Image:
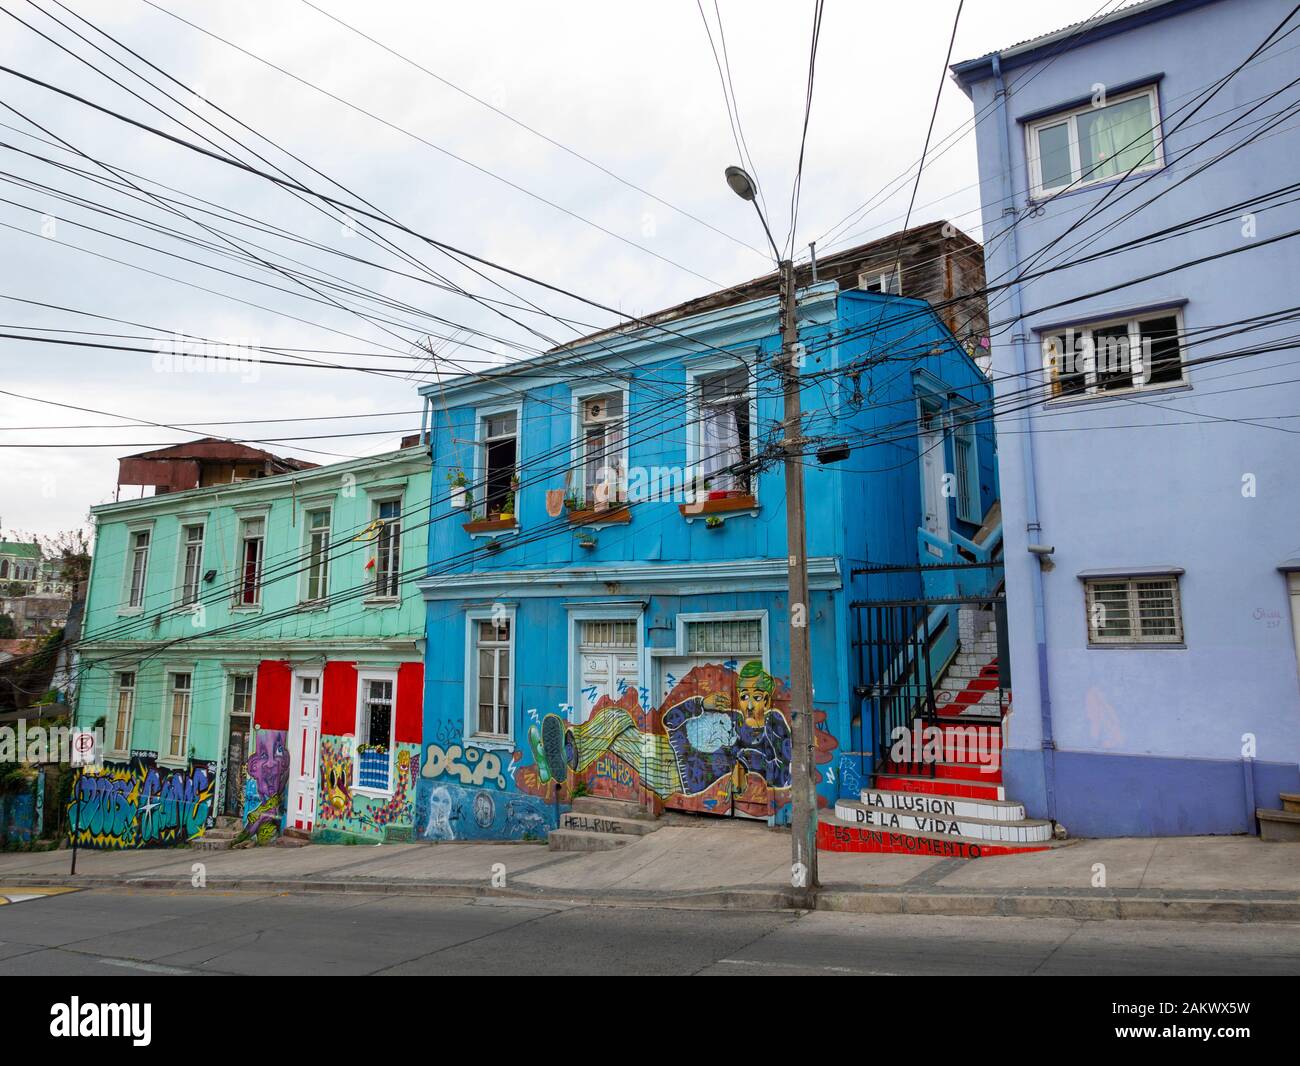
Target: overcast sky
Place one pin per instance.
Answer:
(632, 87)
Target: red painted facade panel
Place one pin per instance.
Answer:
(274, 683)
(410, 703)
(339, 699)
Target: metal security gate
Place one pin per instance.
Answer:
(911, 662)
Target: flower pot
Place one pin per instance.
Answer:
(459, 497)
(719, 494)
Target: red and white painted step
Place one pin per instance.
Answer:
(955, 807)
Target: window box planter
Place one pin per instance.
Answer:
(490, 525)
(586, 516)
(731, 504)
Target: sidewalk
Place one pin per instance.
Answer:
(743, 866)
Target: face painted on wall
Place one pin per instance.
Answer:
(754, 690)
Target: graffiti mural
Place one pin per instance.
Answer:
(448, 811)
(721, 744)
(140, 804)
(265, 783)
(468, 764)
(345, 814)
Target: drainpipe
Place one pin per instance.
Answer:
(1032, 525)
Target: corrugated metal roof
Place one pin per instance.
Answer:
(1064, 33)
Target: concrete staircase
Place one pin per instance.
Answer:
(949, 799)
(969, 685)
(220, 836)
(1283, 824)
(597, 824)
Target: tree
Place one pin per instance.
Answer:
(8, 630)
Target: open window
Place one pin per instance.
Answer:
(388, 549)
(601, 442)
(252, 544)
(724, 438)
(499, 435)
(1122, 355)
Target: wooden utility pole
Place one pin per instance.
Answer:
(803, 796)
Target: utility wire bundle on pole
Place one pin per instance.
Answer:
(803, 795)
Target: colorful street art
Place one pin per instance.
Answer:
(452, 812)
(343, 814)
(265, 785)
(721, 746)
(139, 804)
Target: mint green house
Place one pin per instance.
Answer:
(253, 652)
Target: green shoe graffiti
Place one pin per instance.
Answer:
(554, 748)
(539, 753)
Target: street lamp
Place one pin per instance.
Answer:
(803, 797)
(745, 187)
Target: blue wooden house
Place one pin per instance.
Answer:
(607, 610)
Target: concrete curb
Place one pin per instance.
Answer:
(1011, 903)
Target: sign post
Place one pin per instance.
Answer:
(85, 752)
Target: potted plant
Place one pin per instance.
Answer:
(713, 522)
(572, 503)
(508, 508)
(714, 494)
(586, 539)
(459, 484)
(492, 546)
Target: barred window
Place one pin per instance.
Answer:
(611, 634)
(1140, 610)
(740, 637)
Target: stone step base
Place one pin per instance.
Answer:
(582, 840)
(611, 808)
(208, 843)
(1291, 802)
(1024, 831)
(835, 834)
(604, 823)
(1278, 825)
(941, 805)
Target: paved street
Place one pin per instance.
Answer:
(122, 931)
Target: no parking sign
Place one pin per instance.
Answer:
(85, 747)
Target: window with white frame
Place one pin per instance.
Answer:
(1122, 355)
(600, 445)
(139, 567)
(729, 637)
(252, 548)
(318, 554)
(1136, 610)
(375, 731)
(124, 720)
(499, 435)
(966, 461)
(191, 561)
(493, 660)
(725, 433)
(1096, 142)
(885, 280)
(179, 691)
(388, 549)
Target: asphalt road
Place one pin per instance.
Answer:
(118, 932)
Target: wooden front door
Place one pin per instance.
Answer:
(304, 751)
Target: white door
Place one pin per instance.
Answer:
(304, 750)
(933, 469)
(608, 660)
